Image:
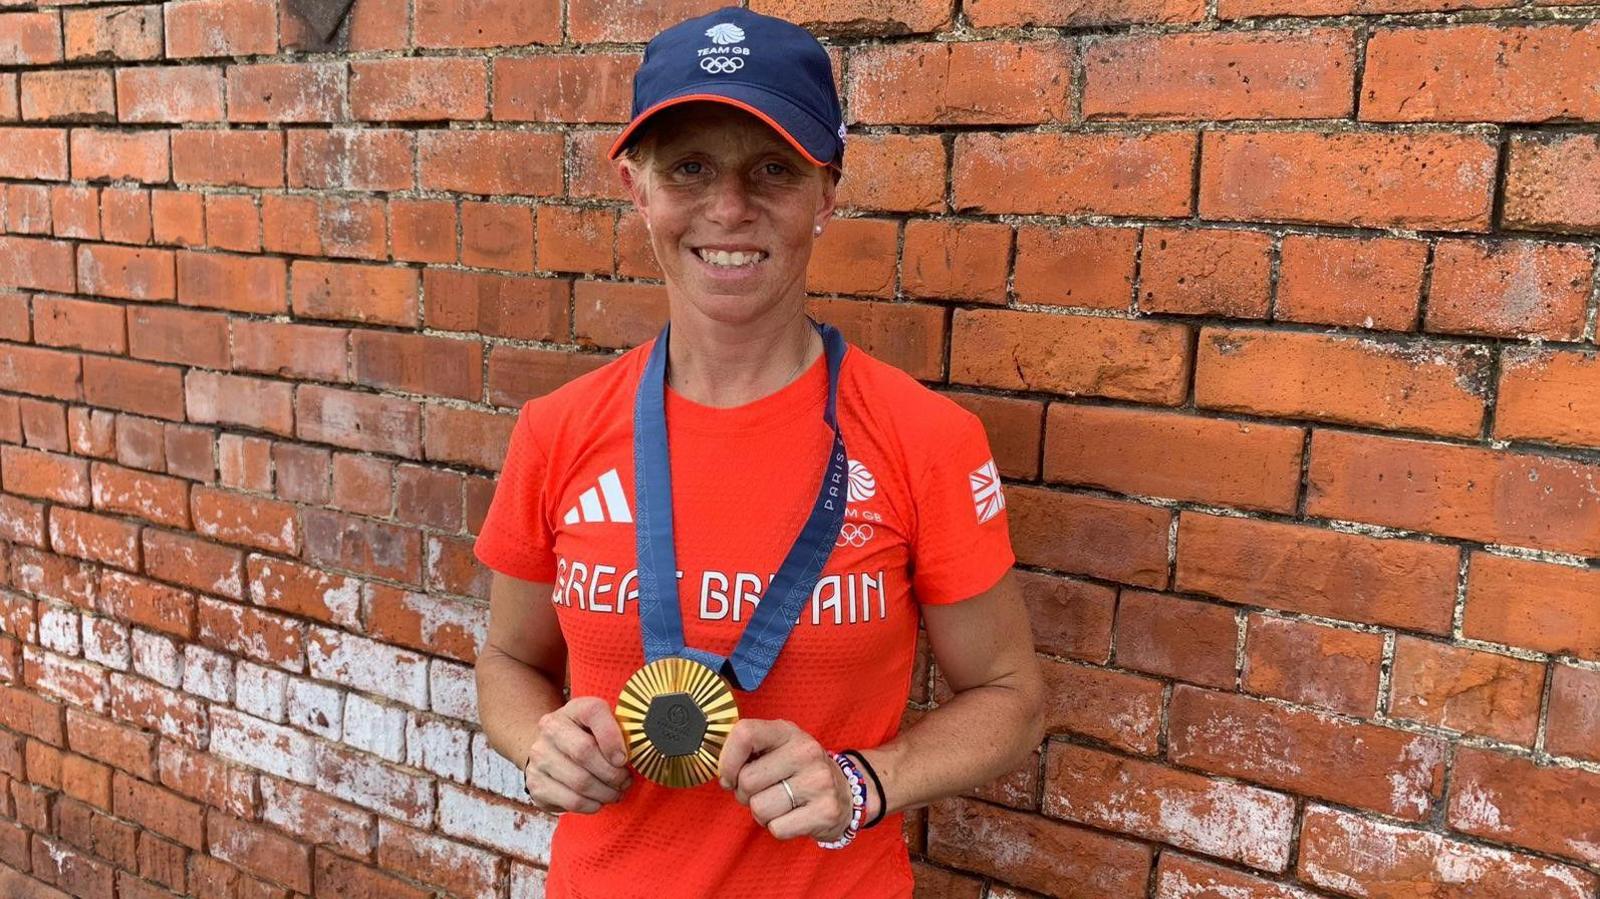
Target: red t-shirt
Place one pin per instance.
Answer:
(925, 523)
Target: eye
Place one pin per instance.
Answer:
(776, 169)
(690, 168)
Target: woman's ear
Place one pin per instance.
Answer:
(830, 198)
(633, 178)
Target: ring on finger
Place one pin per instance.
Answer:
(792, 803)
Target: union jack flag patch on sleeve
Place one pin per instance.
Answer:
(986, 493)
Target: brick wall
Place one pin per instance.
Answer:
(1281, 314)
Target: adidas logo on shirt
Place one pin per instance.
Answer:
(605, 502)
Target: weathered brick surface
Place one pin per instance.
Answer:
(1279, 316)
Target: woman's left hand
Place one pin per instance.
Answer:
(760, 754)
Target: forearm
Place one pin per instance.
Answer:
(512, 697)
(979, 735)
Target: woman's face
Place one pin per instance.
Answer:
(731, 207)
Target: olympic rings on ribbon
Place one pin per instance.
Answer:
(852, 534)
(721, 65)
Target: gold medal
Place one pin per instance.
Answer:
(675, 714)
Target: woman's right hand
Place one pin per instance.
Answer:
(577, 763)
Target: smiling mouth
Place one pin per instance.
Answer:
(726, 259)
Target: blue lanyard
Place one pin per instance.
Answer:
(660, 619)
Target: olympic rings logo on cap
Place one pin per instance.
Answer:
(721, 65)
(851, 534)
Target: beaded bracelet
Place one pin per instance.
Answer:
(858, 801)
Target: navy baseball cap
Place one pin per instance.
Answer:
(770, 68)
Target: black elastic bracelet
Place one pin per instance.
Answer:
(883, 804)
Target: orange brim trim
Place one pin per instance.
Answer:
(616, 146)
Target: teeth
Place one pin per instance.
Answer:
(722, 257)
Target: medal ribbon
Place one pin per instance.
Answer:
(660, 619)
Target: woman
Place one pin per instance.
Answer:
(787, 464)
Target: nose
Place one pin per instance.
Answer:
(729, 204)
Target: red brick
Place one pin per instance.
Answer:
(166, 334)
(228, 158)
(203, 776)
(1221, 75)
(222, 28)
(486, 23)
(195, 563)
(74, 95)
(861, 17)
(363, 421)
(29, 210)
(1313, 664)
(340, 878)
(1509, 289)
(1362, 856)
(1512, 800)
(1179, 877)
(1547, 180)
(95, 538)
(1087, 267)
(1075, 174)
(1238, 9)
(176, 94)
(1014, 426)
(1162, 454)
(1548, 395)
(1466, 690)
(1573, 728)
(1149, 800)
(79, 875)
(255, 284)
(1007, 13)
(30, 38)
(1120, 541)
(288, 92)
(419, 89)
(1311, 753)
(363, 293)
(126, 272)
(117, 746)
(584, 88)
(299, 351)
(372, 26)
(43, 475)
(1414, 385)
(1070, 618)
(491, 162)
(1533, 605)
(599, 21)
(1206, 272)
(517, 374)
(636, 258)
(945, 83)
(497, 235)
(893, 172)
(352, 159)
(1410, 584)
(1350, 282)
(177, 217)
(121, 33)
(423, 230)
(98, 834)
(260, 851)
(149, 706)
(233, 222)
(352, 227)
(1349, 179)
(247, 520)
(36, 154)
(1120, 359)
(316, 818)
(80, 324)
(125, 215)
(33, 715)
(1480, 72)
(165, 813)
(575, 239)
(416, 363)
(617, 315)
(956, 260)
(466, 437)
(127, 491)
(38, 264)
(8, 98)
(263, 636)
(498, 305)
(1063, 860)
(301, 590)
(855, 256)
(75, 212)
(1177, 638)
(370, 547)
(1456, 491)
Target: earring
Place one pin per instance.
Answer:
(817, 230)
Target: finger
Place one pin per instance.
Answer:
(807, 820)
(751, 736)
(597, 718)
(577, 744)
(772, 803)
(768, 769)
(575, 778)
(553, 797)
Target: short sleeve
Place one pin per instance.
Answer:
(516, 538)
(962, 541)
